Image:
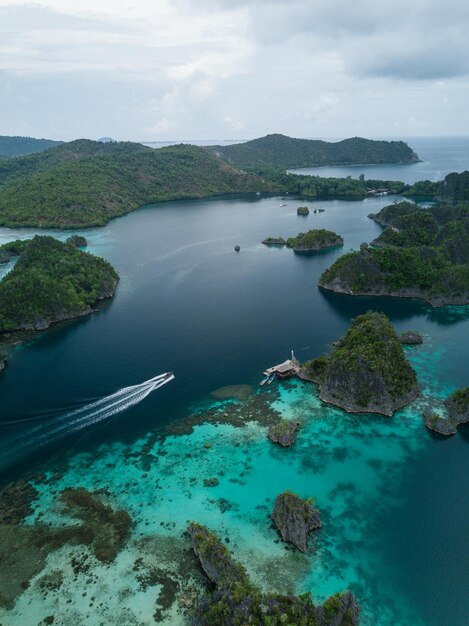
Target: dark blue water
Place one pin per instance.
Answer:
(188, 303)
(439, 156)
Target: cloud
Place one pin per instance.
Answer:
(177, 69)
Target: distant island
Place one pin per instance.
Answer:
(314, 240)
(422, 253)
(20, 146)
(282, 152)
(51, 282)
(367, 371)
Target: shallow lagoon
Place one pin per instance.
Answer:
(392, 495)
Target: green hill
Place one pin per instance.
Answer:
(52, 281)
(86, 183)
(19, 146)
(280, 151)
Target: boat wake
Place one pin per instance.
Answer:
(91, 414)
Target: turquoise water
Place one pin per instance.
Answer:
(392, 495)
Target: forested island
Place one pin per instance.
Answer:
(422, 253)
(237, 600)
(51, 282)
(314, 240)
(282, 152)
(367, 371)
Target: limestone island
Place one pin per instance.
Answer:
(295, 518)
(283, 432)
(236, 600)
(367, 371)
(411, 338)
(457, 407)
(302, 210)
(52, 281)
(314, 240)
(274, 241)
(422, 253)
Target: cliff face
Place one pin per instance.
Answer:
(367, 371)
(424, 273)
(295, 518)
(237, 600)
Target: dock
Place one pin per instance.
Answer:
(288, 368)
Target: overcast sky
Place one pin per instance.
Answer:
(220, 69)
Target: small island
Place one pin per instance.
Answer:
(411, 338)
(314, 240)
(52, 281)
(367, 371)
(283, 432)
(274, 241)
(236, 600)
(457, 409)
(295, 518)
(302, 210)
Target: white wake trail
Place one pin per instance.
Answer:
(85, 416)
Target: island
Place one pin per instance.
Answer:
(411, 338)
(302, 210)
(283, 432)
(295, 518)
(274, 241)
(52, 281)
(282, 152)
(457, 409)
(422, 253)
(237, 600)
(314, 240)
(367, 371)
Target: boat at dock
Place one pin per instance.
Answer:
(271, 379)
(264, 380)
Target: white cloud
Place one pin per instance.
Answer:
(181, 69)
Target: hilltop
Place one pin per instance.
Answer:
(280, 151)
(86, 183)
(20, 146)
(367, 371)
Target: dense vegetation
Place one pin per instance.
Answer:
(283, 152)
(454, 188)
(19, 146)
(52, 281)
(238, 601)
(315, 240)
(87, 183)
(424, 253)
(317, 187)
(367, 370)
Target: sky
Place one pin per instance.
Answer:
(157, 70)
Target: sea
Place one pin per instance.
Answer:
(78, 408)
